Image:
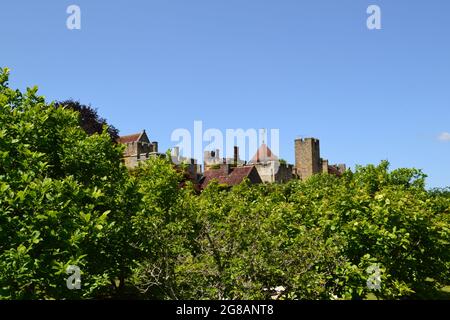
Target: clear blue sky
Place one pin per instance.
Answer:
(309, 68)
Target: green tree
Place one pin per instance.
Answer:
(67, 199)
(89, 119)
(166, 228)
(64, 200)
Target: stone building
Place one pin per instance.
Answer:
(308, 161)
(267, 167)
(138, 148)
(264, 167)
(213, 159)
(270, 168)
(193, 168)
(229, 172)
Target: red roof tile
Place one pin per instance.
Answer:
(129, 138)
(235, 177)
(238, 175)
(263, 154)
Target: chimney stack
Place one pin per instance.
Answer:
(155, 146)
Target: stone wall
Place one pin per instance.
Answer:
(274, 171)
(307, 157)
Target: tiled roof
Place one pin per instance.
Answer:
(263, 154)
(236, 176)
(130, 138)
(210, 175)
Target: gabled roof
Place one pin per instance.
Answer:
(235, 177)
(264, 154)
(238, 175)
(135, 137)
(129, 138)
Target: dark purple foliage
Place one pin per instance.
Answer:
(90, 121)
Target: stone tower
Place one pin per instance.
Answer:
(307, 157)
(138, 148)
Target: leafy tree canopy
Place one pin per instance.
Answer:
(67, 199)
(90, 121)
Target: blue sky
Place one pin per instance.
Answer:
(309, 68)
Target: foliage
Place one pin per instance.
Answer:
(64, 200)
(90, 121)
(67, 199)
(316, 239)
